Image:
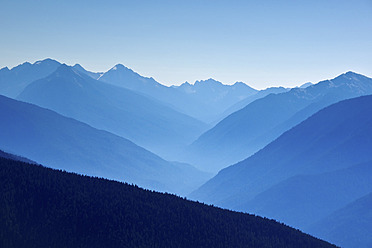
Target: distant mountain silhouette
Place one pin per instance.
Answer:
(305, 85)
(349, 226)
(315, 168)
(64, 143)
(210, 98)
(246, 131)
(13, 81)
(41, 207)
(124, 77)
(260, 94)
(94, 75)
(145, 121)
(204, 100)
(335, 138)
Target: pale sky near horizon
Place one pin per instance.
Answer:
(262, 43)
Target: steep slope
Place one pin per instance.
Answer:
(147, 122)
(335, 138)
(63, 143)
(13, 81)
(246, 131)
(122, 76)
(40, 207)
(349, 226)
(204, 100)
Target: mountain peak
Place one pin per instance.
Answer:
(78, 66)
(305, 85)
(209, 81)
(46, 61)
(119, 67)
(66, 71)
(4, 69)
(350, 77)
(243, 85)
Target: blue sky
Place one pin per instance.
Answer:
(262, 43)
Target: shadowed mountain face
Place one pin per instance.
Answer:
(300, 200)
(40, 207)
(204, 100)
(147, 122)
(307, 173)
(246, 131)
(63, 143)
(349, 226)
(13, 82)
(335, 138)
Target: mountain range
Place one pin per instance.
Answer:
(306, 174)
(145, 121)
(248, 130)
(14, 81)
(204, 100)
(300, 156)
(64, 143)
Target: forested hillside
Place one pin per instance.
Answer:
(41, 207)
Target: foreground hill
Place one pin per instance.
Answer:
(41, 207)
(64, 143)
(244, 132)
(147, 122)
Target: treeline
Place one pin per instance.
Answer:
(42, 207)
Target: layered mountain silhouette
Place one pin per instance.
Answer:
(41, 207)
(64, 143)
(204, 100)
(13, 82)
(303, 199)
(349, 226)
(145, 121)
(244, 132)
(209, 98)
(310, 171)
(241, 104)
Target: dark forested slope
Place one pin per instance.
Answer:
(41, 207)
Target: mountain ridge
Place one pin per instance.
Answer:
(242, 133)
(60, 142)
(147, 122)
